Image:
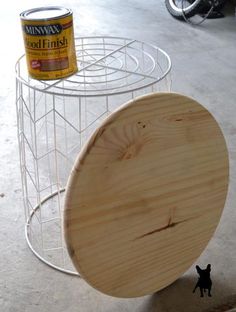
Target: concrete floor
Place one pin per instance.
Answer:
(204, 67)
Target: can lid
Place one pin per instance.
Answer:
(45, 13)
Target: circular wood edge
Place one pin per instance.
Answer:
(84, 151)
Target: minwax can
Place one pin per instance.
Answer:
(49, 42)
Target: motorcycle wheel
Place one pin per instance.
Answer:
(189, 9)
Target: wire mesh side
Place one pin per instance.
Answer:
(53, 127)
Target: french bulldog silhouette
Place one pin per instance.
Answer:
(204, 281)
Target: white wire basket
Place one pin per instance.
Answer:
(55, 119)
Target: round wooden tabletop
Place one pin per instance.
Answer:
(146, 195)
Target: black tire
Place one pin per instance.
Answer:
(194, 8)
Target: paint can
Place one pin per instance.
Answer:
(49, 42)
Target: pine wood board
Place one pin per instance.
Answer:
(146, 195)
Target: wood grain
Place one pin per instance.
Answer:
(146, 195)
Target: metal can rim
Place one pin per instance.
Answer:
(24, 14)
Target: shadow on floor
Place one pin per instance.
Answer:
(178, 297)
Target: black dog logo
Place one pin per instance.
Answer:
(204, 281)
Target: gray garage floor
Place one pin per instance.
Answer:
(204, 67)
